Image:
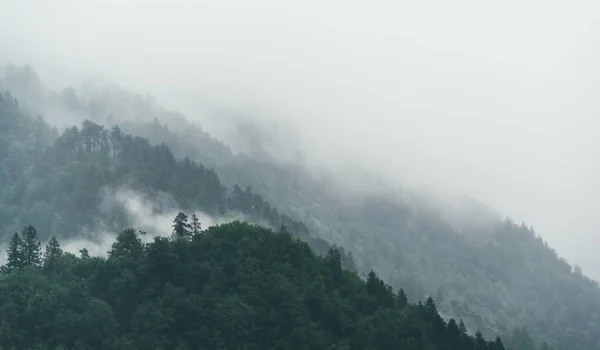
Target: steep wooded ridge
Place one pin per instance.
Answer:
(499, 277)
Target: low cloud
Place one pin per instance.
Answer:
(151, 213)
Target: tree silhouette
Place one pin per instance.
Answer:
(53, 252)
(181, 227)
(31, 247)
(195, 226)
(15, 256)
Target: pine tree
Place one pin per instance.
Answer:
(196, 226)
(401, 299)
(372, 282)
(127, 245)
(462, 328)
(480, 343)
(181, 228)
(31, 247)
(430, 306)
(15, 256)
(53, 252)
(116, 138)
(499, 344)
(452, 335)
(333, 260)
(84, 253)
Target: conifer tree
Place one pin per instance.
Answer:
(480, 342)
(53, 252)
(372, 282)
(15, 256)
(334, 261)
(84, 253)
(499, 344)
(196, 226)
(401, 299)
(181, 227)
(31, 247)
(462, 328)
(430, 307)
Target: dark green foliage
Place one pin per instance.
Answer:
(196, 226)
(401, 299)
(181, 227)
(31, 248)
(53, 253)
(14, 254)
(237, 286)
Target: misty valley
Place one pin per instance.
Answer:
(126, 226)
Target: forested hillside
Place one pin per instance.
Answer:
(55, 181)
(235, 286)
(499, 277)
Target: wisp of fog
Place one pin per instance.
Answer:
(154, 215)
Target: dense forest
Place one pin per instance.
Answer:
(234, 286)
(499, 277)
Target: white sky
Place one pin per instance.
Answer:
(498, 100)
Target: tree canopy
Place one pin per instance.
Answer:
(235, 286)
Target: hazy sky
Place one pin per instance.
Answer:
(498, 100)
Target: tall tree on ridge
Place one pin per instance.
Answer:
(31, 247)
(181, 227)
(15, 257)
(53, 252)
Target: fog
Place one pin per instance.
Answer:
(495, 100)
(152, 214)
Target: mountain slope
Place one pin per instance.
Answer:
(56, 182)
(500, 277)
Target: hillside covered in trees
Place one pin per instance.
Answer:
(55, 181)
(234, 286)
(499, 277)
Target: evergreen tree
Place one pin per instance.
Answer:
(372, 282)
(452, 335)
(196, 226)
(462, 328)
(84, 253)
(53, 252)
(181, 227)
(401, 299)
(333, 260)
(127, 245)
(116, 138)
(430, 306)
(480, 343)
(31, 247)
(15, 255)
(499, 344)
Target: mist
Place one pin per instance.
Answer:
(497, 101)
(152, 214)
